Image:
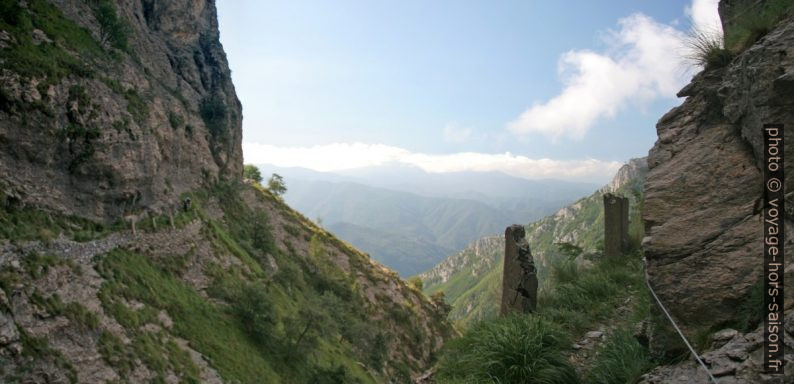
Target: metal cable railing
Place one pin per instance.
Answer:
(692, 350)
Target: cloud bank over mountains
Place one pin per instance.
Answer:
(343, 156)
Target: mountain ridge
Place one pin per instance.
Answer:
(474, 292)
(443, 221)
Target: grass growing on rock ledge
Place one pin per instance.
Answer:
(753, 22)
(25, 223)
(707, 49)
(52, 60)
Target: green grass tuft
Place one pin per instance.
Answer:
(516, 349)
(622, 360)
(707, 49)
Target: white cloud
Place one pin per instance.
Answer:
(454, 134)
(642, 64)
(704, 16)
(341, 156)
(324, 158)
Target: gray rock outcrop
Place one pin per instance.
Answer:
(634, 170)
(736, 359)
(702, 208)
(135, 126)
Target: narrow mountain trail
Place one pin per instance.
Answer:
(585, 349)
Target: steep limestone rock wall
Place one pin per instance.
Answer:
(633, 170)
(704, 187)
(114, 107)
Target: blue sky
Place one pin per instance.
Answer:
(538, 89)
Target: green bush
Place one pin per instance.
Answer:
(114, 352)
(576, 299)
(415, 282)
(276, 185)
(213, 111)
(136, 106)
(113, 30)
(335, 375)
(28, 223)
(250, 171)
(256, 313)
(516, 349)
(175, 120)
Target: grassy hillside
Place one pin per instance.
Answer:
(240, 289)
(474, 295)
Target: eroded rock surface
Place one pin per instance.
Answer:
(737, 358)
(98, 130)
(704, 187)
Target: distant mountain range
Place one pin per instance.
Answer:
(409, 219)
(471, 278)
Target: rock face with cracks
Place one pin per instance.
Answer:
(114, 107)
(703, 194)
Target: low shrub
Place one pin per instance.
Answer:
(214, 112)
(113, 29)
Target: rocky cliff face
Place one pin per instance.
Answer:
(704, 187)
(477, 258)
(633, 171)
(113, 107)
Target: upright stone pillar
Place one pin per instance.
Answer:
(616, 225)
(519, 279)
